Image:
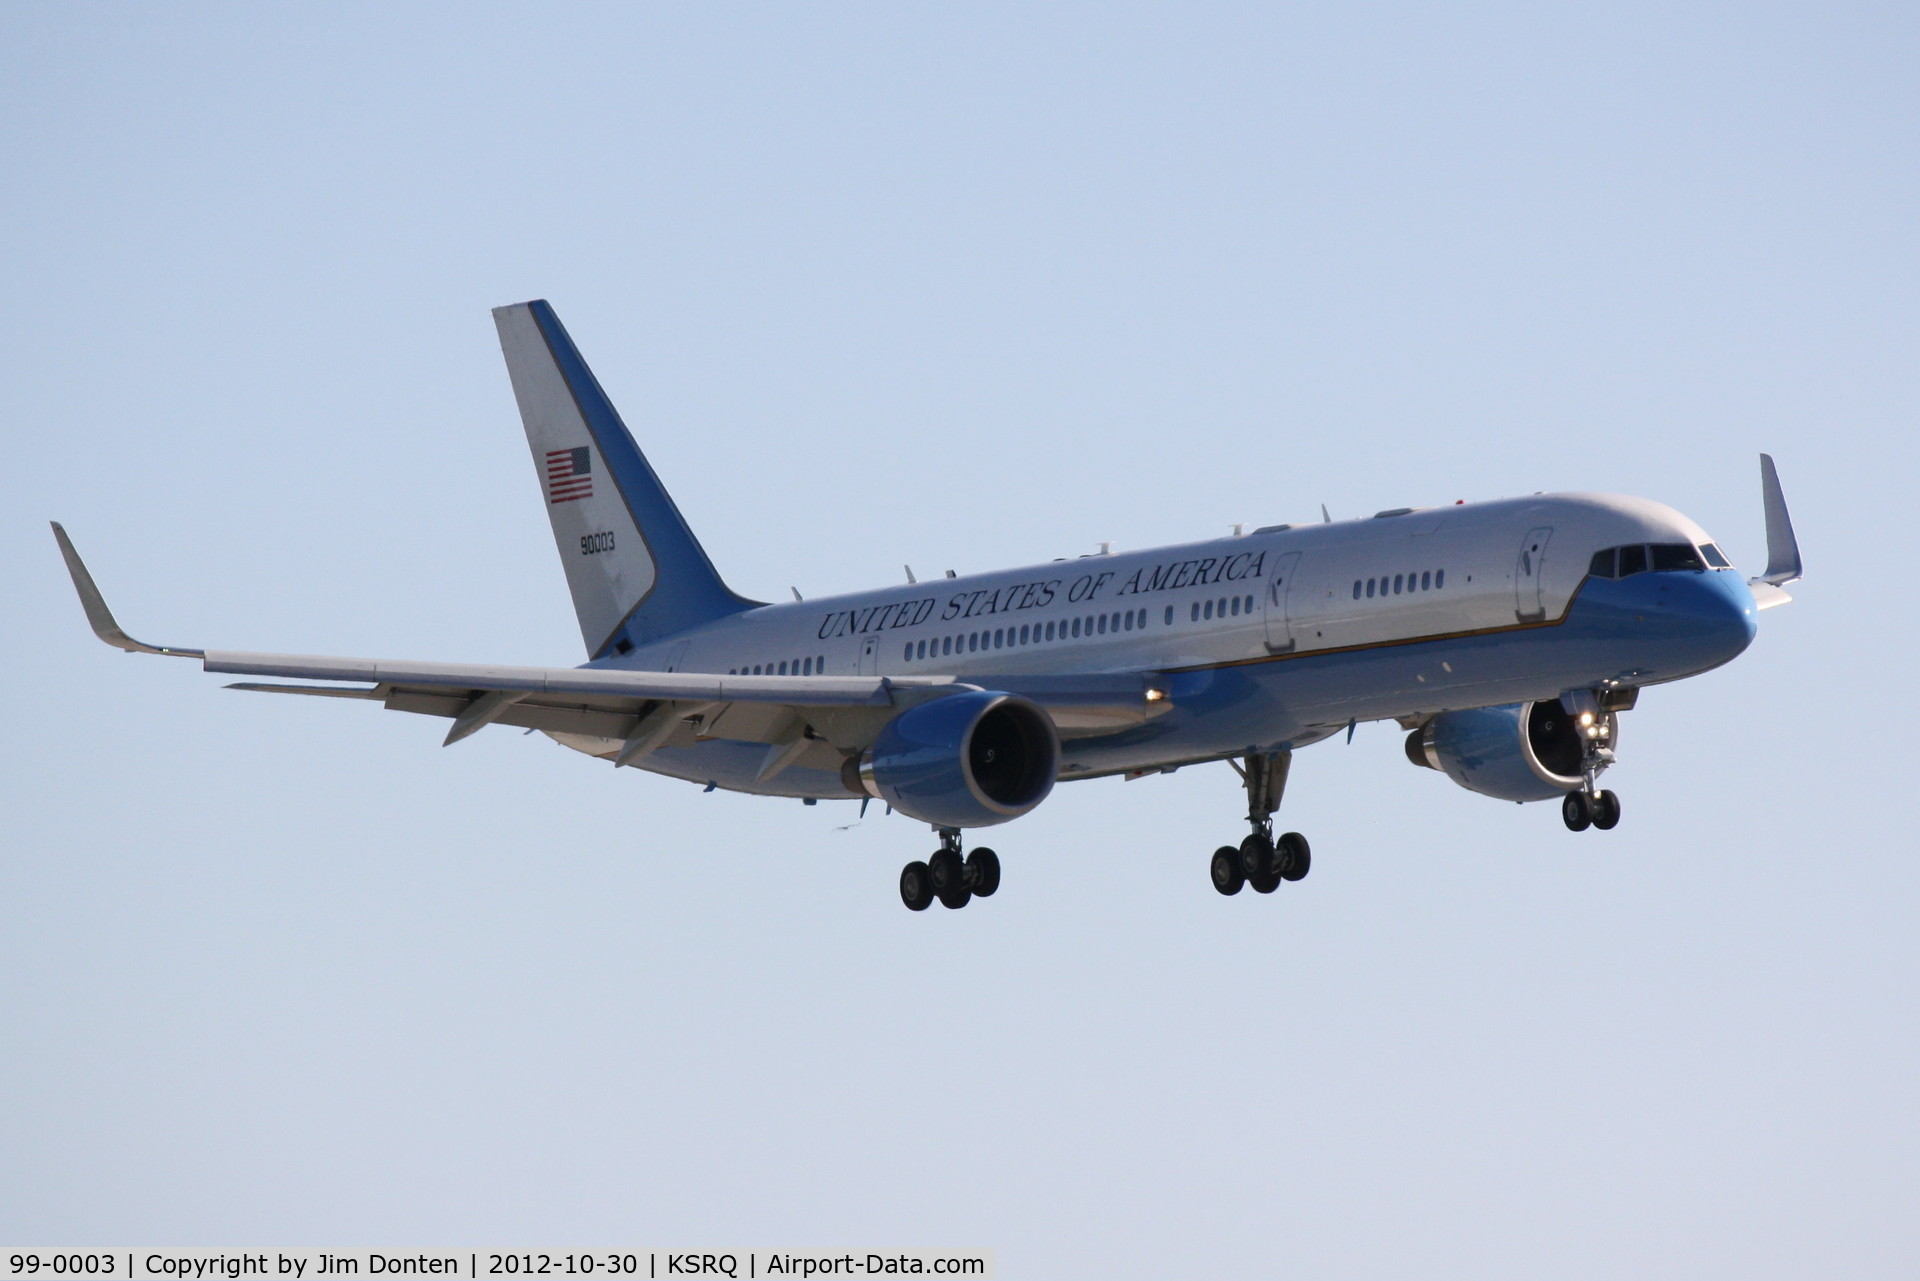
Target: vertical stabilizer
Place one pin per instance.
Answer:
(635, 570)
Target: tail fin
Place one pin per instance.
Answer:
(636, 571)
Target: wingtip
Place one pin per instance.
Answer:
(99, 617)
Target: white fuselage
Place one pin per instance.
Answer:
(1368, 596)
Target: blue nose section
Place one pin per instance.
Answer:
(1669, 624)
(1720, 606)
(1708, 618)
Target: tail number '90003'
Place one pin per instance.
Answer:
(594, 544)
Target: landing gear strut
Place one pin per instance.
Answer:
(1262, 861)
(948, 877)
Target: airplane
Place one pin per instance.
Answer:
(1505, 637)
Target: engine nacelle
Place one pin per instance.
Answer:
(1519, 752)
(967, 760)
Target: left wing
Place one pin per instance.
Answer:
(639, 711)
(634, 713)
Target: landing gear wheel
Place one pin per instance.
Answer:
(957, 897)
(983, 870)
(1228, 875)
(1256, 860)
(1576, 812)
(916, 886)
(1266, 884)
(1606, 811)
(1295, 856)
(947, 873)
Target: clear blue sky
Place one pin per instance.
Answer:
(970, 287)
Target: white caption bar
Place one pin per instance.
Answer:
(482, 1265)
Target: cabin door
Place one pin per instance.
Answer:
(1281, 602)
(1529, 574)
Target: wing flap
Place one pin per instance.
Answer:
(475, 678)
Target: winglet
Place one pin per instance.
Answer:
(98, 615)
(1783, 550)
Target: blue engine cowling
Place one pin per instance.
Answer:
(1518, 752)
(967, 760)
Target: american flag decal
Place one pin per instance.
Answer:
(569, 474)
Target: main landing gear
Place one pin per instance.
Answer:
(1261, 860)
(948, 877)
(1588, 806)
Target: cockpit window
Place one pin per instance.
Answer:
(1638, 558)
(1668, 556)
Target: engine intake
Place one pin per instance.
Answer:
(1517, 752)
(967, 760)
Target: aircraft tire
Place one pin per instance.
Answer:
(1228, 875)
(947, 872)
(1606, 811)
(1576, 812)
(916, 886)
(1266, 884)
(1256, 859)
(985, 866)
(1296, 856)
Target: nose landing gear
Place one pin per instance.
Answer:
(948, 877)
(1262, 861)
(1589, 806)
(1581, 810)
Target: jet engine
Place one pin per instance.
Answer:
(1518, 752)
(967, 760)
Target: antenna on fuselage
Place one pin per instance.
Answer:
(1324, 518)
(796, 592)
(910, 577)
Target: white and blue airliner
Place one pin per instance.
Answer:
(1504, 637)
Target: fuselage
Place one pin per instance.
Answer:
(1267, 641)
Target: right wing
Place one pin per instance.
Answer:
(1783, 549)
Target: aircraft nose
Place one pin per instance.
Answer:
(1717, 608)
